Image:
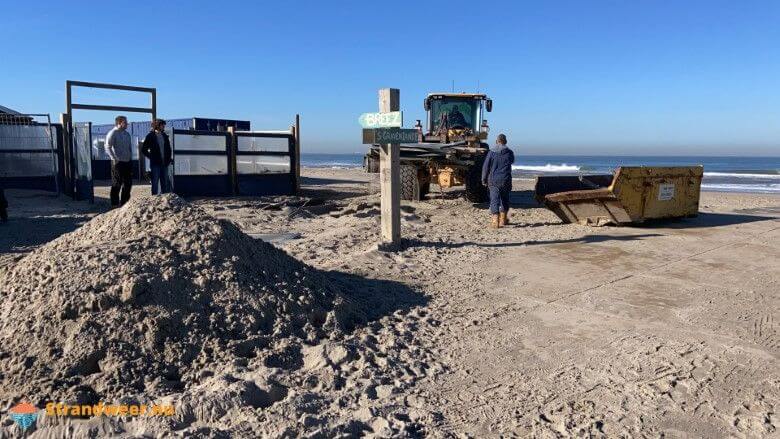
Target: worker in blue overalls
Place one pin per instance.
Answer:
(497, 176)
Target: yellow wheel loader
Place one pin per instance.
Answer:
(451, 150)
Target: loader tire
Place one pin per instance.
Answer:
(476, 192)
(410, 183)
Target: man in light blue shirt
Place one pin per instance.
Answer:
(119, 146)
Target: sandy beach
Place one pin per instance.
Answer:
(539, 329)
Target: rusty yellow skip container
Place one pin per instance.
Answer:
(637, 193)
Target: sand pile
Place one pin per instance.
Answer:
(146, 299)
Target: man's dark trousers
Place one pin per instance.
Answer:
(121, 179)
(3, 206)
(499, 198)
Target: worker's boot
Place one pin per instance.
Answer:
(494, 224)
(503, 219)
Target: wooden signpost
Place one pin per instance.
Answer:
(390, 135)
(389, 140)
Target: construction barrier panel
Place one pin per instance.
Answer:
(202, 163)
(265, 163)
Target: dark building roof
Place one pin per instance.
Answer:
(11, 117)
(6, 110)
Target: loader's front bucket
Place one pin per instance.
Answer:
(635, 194)
(553, 184)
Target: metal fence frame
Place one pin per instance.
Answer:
(67, 122)
(217, 184)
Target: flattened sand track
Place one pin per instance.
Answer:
(537, 330)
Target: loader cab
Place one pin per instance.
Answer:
(457, 115)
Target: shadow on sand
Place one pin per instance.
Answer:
(517, 199)
(377, 297)
(36, 217)
(19, 234)
(523, 199)
(327, 181)
(589, 239)
(704, 220)
(330, 194)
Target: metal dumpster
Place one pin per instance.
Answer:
(636, 194)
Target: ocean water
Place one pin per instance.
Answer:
(725, 174)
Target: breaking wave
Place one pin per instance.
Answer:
(753, 188)
(547, 168)
(742, 175)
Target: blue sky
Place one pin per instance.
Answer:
(566, 77)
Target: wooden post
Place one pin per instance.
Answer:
(297, 154)
(66, 154)
(390, 174)
(68, 136)
(141, 160)
(232, 150)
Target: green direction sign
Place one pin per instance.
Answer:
(390, 135)
(393, 119)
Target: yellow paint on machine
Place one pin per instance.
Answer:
(636, 194)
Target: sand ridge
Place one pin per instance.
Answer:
(160, 300)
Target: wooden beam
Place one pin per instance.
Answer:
(109, 86)
(111, 108)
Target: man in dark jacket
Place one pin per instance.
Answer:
(157, 148)
(497, 176)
